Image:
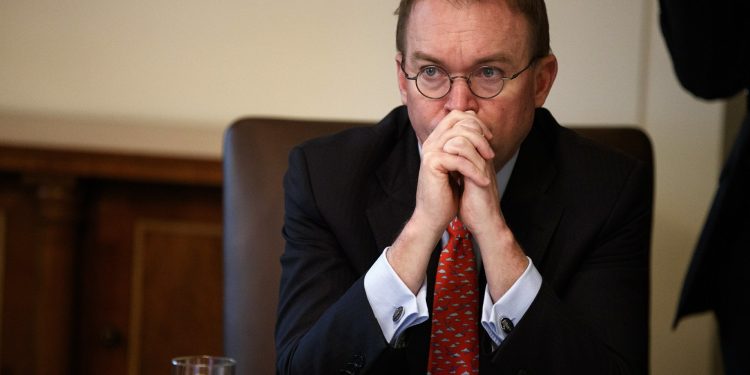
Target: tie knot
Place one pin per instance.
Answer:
(457, 229)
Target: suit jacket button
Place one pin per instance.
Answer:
(398, 314)
(358, 360)
(506, 325)
(353, 367)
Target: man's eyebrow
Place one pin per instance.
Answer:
(499, 57)
(422, 56)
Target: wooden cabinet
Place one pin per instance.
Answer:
(109, 263)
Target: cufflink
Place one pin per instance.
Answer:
(398, 314)
(506, 325)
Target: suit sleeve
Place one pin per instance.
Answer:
(325, 324)
(708, 43)
(597, 321)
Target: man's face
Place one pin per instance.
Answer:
(460, 39)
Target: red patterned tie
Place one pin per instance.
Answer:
(454, 344)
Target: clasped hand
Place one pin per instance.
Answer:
(457, 176)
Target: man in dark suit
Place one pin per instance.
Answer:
(560, 226)
(709, 42)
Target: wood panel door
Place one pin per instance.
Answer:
(17, 276)
(149, 286)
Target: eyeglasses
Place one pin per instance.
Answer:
(485, 82)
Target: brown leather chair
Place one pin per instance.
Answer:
(255, 159)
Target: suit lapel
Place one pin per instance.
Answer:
(394, 190)
(529, 206)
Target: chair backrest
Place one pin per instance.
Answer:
(255, 159)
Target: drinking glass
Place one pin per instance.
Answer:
(203, 365)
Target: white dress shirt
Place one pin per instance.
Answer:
(396, 308)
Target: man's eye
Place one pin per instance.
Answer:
(489, 72)
(431, 71)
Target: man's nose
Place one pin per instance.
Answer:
(460, 97)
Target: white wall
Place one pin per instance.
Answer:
(198, 61)
(122, 75)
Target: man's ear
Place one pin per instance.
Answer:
(545, 73)
(402, 81)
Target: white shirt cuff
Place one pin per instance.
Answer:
(395, 307)
(512, 305)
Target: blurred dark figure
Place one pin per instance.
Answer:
(709, 42)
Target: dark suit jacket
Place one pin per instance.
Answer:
(581, 212)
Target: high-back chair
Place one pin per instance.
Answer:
(255, 159)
